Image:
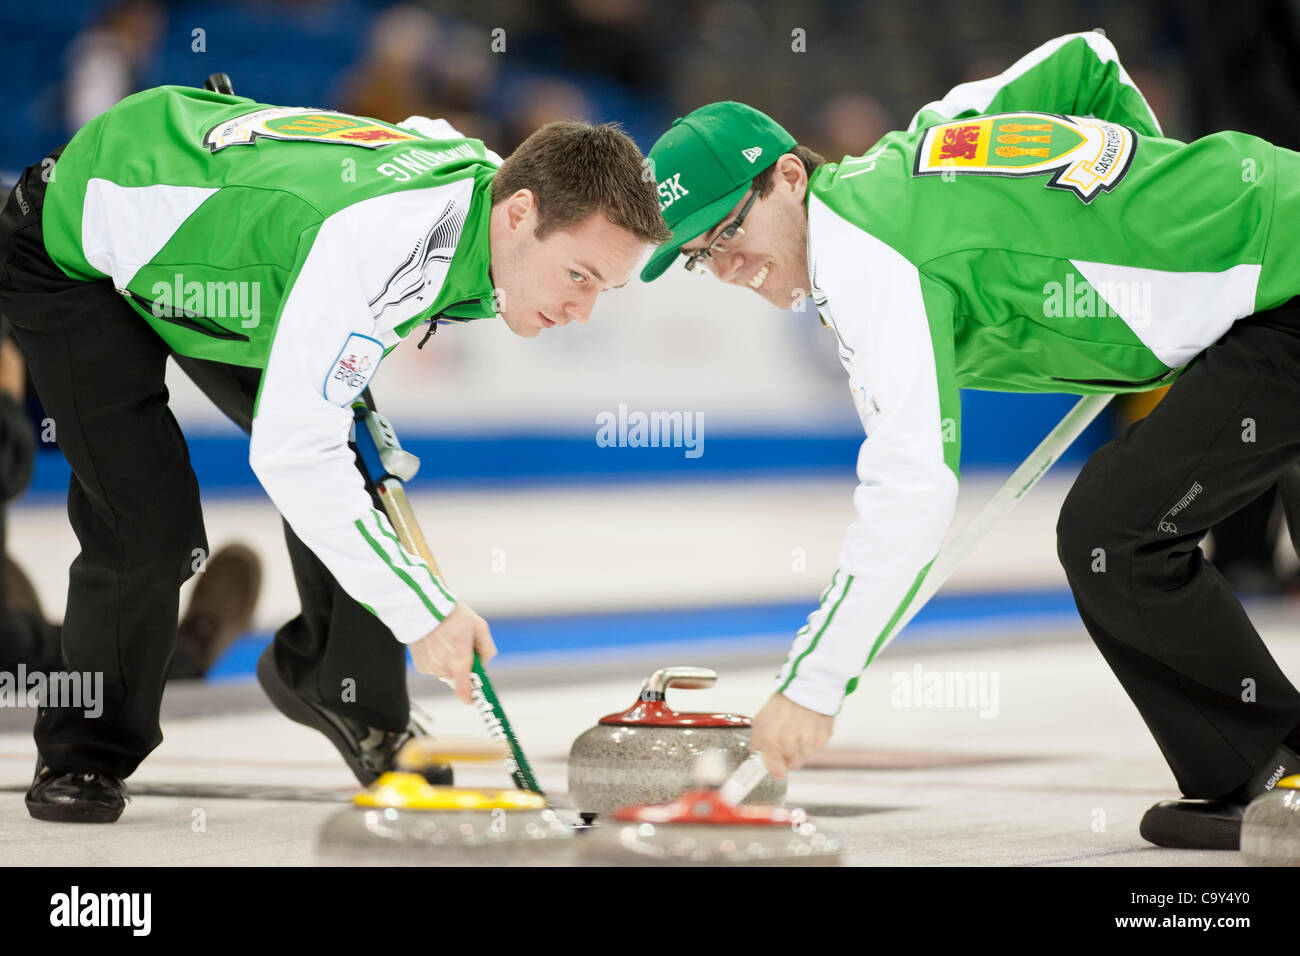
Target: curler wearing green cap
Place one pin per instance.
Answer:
(732, 184)
(1036, 231)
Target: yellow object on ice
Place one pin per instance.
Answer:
(410, 791)
(421, 752)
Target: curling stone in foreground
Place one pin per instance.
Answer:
(402, 818)
(645, 753)
(699, 828)
(1270, 832)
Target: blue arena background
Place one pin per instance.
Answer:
(283, 53)
(998, 432)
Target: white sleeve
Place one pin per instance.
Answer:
(1075, 74)
(441, 129)
(907, 466)
(325, 350)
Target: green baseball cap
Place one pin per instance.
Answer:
(703, 165)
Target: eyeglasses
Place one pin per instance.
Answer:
(695, 260)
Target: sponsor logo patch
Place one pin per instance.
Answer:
(353, 369)
(1085, 155)
(305, 125)
(1166, 523)
(752, 153)
(866, 403)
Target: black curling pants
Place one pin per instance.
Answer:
(1128, 537)
(335, 644)
(133, 502)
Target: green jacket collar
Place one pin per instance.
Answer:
(467, 292)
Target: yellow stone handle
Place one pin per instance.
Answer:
(420, 753)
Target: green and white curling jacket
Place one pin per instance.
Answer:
(1032, 232)
(303, 242)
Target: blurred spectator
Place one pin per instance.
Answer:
(24, 634)
(849, 124)
(416, 66)
(642, 61)
(543, 100)
(469, 71)
(106, 60)
(220, 607)
(399, 75)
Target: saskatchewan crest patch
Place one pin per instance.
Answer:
(304, 125)
(1085, 155)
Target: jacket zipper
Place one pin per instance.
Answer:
(1114, 382)
(184, 319)
(433, 322)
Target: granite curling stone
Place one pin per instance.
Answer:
(403, 819)
(699, 828)
(1270, 831)
(645, 754)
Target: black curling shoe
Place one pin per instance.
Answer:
(368, 751)
(1194, 824)
(1214, 824)
(75, 797)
